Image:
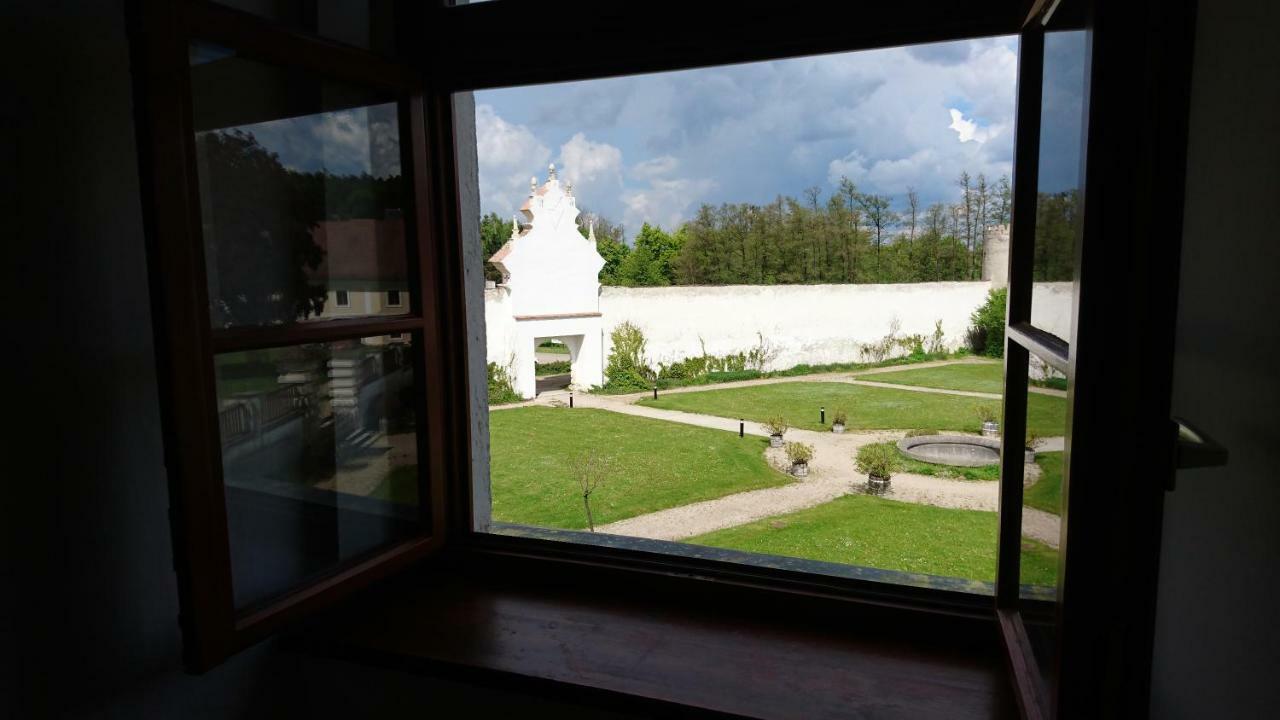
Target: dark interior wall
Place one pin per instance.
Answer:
(88, 602)
(1218, 638)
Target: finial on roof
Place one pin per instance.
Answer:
(515, 227)
(533, 186)
(551, 172)
(568, 188)
(591, 231)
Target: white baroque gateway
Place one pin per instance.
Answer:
(550, 289)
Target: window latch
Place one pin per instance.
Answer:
(1194, 448)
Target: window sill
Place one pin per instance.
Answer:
(679, 646)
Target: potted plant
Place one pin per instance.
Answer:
(777, 427)
(1034, 441)
(990, 417)
(799, 454)
(878, 462)
(838, 420)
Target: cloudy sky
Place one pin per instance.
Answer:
(652, 148)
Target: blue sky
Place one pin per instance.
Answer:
(652, 148)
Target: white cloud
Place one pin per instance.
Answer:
(590, 163)
(508, 155)
(968, 130)
(664, 202)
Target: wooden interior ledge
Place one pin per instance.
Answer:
(688, 647)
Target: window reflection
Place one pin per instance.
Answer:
(300, 194)
(319, 457)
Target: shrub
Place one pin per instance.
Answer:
(776, 425)
(760, 357)
(552, 368)
(798, 452)
(937, 342)
(918, 433)
(1034, 441)
(987, 413)
(878, 459)
(839, 417)
(626, 369)
(733, 375)
(501, 390)
(986, 336)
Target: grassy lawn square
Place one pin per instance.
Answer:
(890, 535)
(1046, 493)
(870, 408)
(654, 465)
(974, 377)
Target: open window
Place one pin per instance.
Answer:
(304, 415)
(328, 281)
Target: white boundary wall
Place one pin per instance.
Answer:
(811, 324)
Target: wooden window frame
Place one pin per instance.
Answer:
(474, 47)
(186, 344)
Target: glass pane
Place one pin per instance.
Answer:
(319, 458)
(1058, 202)
(799, 243)
(1042, 480)
(301, 197)
(368, 24)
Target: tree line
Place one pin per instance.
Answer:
(848, 237)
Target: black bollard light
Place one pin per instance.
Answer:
(655, 392)
(742, 428)
(570, 401)
(822, 415)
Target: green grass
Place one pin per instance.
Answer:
(550, 347)
(890, 535)
(868, 407)
(399, 486)
(1046, 494)
(975, 377)
(653, 465)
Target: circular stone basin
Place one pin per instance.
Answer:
(960, 450)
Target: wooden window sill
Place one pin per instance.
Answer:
(686, 648)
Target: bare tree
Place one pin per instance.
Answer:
(590, 469)
(913, 210)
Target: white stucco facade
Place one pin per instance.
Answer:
(550, 289)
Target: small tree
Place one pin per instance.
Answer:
(878, 460)
(777, 425)
(987, 413)
(627, 369)
(986, 336)
(798, 452)
(590, 469)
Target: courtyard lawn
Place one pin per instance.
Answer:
(974, 377)
(869, 408)
(890, 535)
(653, 465)
(1046, 493)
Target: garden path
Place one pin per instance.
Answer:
(831, 474)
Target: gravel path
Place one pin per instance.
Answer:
(831, 473)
